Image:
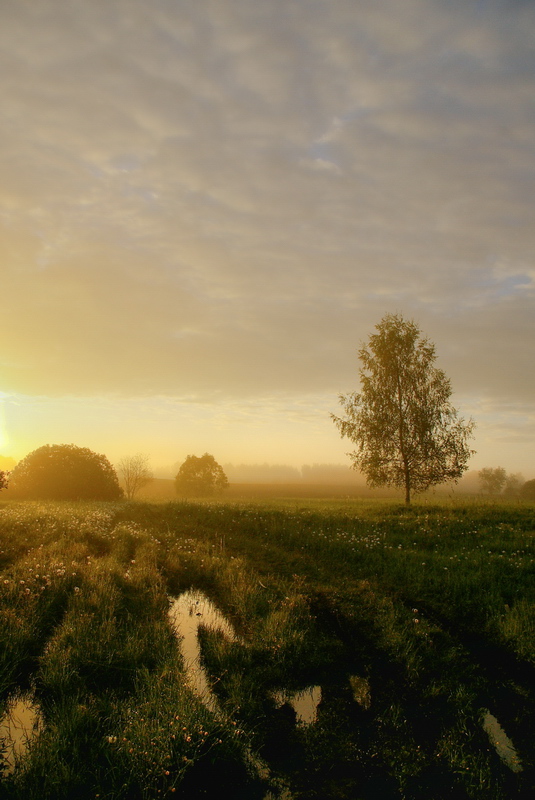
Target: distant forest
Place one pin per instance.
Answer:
(283, 473)
(318, 474)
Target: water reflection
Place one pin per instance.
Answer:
(187, 612)
(502, 743)
(305, 702)
(20, 723)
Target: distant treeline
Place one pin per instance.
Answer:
(310, 474)
(283, 473)
(330, 474)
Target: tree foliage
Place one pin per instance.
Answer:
(3, 479)
(136, 473)
(407, 433)
(64, 472)
(200, 476)
(513, 483)
(492, 479)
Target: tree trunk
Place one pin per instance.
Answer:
(406, 470)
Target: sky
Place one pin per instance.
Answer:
(206, 206)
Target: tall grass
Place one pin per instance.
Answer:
(431, 608)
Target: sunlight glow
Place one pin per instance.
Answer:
(3, 434)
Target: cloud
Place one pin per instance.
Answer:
(227, 196)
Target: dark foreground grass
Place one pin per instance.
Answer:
(414, 622)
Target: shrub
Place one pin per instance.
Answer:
(200, 476)
(64, 472)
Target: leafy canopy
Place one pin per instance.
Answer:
(64, 472)
(406, 431)
(492, 479)
(200, 476)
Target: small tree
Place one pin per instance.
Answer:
(200, 476)
(406, 431)
(492, 479)
(64, 472)
(4, 479)
(513, 483)
(136, 473)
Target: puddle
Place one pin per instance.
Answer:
(20, 723)
(305, 703)
(502, 743)
(187, 612)
(361, 691)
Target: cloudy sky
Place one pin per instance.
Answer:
(207, 205)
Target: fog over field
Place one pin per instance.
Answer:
(205, 208)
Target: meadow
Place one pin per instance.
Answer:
(408, 631)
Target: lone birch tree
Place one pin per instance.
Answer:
(407, 433)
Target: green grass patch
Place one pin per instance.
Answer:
(411, 623)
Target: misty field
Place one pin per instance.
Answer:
(351, 649)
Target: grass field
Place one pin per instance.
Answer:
(413, 629)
